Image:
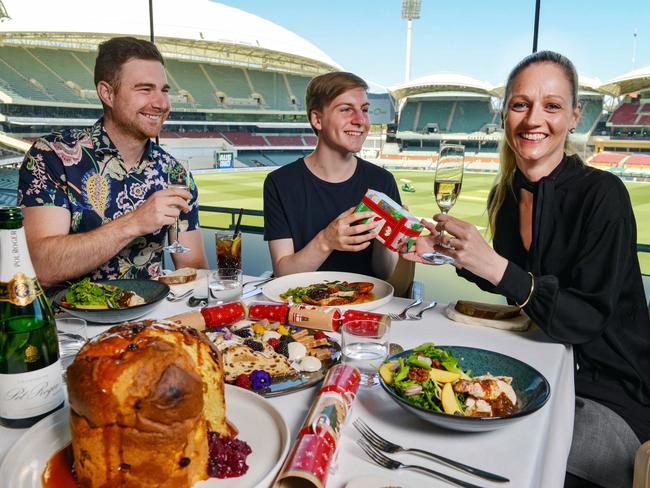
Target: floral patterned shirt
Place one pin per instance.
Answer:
(81, 169)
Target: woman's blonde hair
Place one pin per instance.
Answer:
(507, 161)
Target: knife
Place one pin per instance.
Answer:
(256, 290)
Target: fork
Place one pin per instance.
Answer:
(402, 314)
(177, 298)
(382, 444)
(418, 316)
(389, 463)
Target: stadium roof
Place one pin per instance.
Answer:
(444, 82)
(192, 29)
(633, 81)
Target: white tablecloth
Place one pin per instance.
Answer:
(531, 452)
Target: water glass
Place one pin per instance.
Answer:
(72, 335)
(364, 345)
(228, 247)
(224, 285)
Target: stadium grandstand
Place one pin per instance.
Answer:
(456, 108)
(237, 81)
(436, 108)
(237, 89)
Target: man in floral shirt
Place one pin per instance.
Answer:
(95, 200)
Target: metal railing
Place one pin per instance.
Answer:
(234, 214)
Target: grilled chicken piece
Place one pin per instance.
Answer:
(487, 387)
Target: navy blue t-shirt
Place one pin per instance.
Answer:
(298, 205)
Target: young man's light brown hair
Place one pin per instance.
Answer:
(325, 88)
(112, 54)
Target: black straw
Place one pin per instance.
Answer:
(241, 212)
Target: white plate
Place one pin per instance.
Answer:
(382, 290)
(259, 424)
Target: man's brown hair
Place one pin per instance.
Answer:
(325, 88)
(112, 54)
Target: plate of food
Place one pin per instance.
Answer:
(498, 316)
(463, 388)
(330, 289)
(110, 301)
(273, 359)
(259, 423)
(170, 419)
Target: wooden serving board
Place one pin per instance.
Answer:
(518, 324)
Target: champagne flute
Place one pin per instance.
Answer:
(446, 188)
(178, 176)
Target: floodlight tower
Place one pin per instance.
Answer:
(410, 11)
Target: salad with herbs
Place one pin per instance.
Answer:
(432, 378)
(99, 296)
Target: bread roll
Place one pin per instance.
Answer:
(142, 398)
(182, 275)
(487, 310)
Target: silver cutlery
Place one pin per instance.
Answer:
(197, 301)
(418, 316)
(389, 463)
(384, 445)
(402, 314)
(258, 282)
(70, 337)
(172, 297)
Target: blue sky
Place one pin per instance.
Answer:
(479, 38)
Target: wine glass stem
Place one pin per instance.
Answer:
(442, 232)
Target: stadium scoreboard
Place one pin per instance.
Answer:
(224, 159)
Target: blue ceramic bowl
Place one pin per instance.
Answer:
(152, 291)
(530, 385)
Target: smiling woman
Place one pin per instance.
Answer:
(564, 252)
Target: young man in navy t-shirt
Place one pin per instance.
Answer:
(308, 204)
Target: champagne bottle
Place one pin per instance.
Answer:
(31, 384)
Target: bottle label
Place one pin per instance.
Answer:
(20, 290)
(26, 395)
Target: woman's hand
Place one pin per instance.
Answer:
(423, 244)
(463, 242)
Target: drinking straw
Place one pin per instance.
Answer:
(241, 212)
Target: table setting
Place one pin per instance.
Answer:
(529, 449)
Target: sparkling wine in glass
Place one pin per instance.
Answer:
(178, 177)
(446, 188)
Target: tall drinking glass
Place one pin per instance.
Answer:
(178, 177)
(446, 188)
(364, 345)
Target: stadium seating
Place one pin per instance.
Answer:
(191, 78)
(449, 115)
(608, 158)
(638, 161)
(407, 117)
(273, 88)
(590, 111)
(244, 139)
(281, 140)
(434, 112)
(8, 185)
(470, 115)
(59, 75)
(624, 115)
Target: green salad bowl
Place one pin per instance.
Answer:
(532, 389)
(153, 292)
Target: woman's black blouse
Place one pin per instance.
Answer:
(588, 288)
